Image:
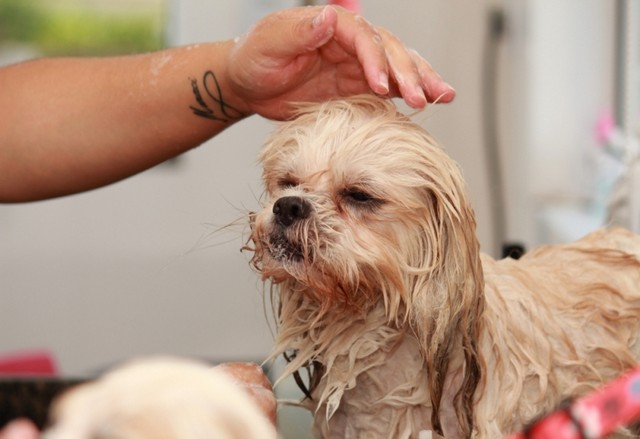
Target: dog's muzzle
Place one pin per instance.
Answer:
(284, 239)
(289, 210)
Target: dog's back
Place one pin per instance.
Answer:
(560, 322)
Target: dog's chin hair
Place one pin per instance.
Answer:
(331, 280)
(328, 291)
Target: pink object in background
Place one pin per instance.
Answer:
(28, 363)
(350, 5)
(605, 126)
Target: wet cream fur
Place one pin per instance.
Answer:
(405, 324)
(161, 398)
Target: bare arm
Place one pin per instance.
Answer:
(73, 124)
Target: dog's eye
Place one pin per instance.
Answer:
(357, 196)
(287, 182)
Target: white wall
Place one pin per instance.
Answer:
(109, 274)
(558, 78)
(449, 33)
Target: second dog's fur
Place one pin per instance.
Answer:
(167, 398)
(369, 240)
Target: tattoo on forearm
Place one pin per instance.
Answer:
(223, 112)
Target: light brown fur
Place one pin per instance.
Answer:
(378, 281)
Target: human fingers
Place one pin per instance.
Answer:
(403, 70)
(361, 39)
(252, 379)
(389, 66)
(417, 82)
(295, 31)
(437, 90)
(19, 429)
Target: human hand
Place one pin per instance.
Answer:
(318, 53)
(20, 429)
(251, 379)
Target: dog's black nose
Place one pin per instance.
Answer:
(288, 210)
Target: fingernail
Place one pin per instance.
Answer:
(448, 91)
(319, 19)
(383, 82)
(420, 96)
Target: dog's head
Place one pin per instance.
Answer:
(363, 207)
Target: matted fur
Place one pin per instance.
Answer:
(382, 286)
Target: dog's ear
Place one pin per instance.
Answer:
(447, 294)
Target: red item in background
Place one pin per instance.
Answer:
(28, 363)
(557, 425)
(350, 5)
(615, 405)
(592, 416)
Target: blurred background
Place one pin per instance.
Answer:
(545, 126)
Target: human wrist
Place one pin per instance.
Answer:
(211, 96)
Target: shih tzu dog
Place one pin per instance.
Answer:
(382, 294)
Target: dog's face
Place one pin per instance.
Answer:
(359, 199)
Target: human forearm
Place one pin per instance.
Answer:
(68, 125)
(118, 116)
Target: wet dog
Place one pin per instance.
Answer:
(368, 239)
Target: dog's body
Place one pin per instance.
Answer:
(370, 242)
(561, 322)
